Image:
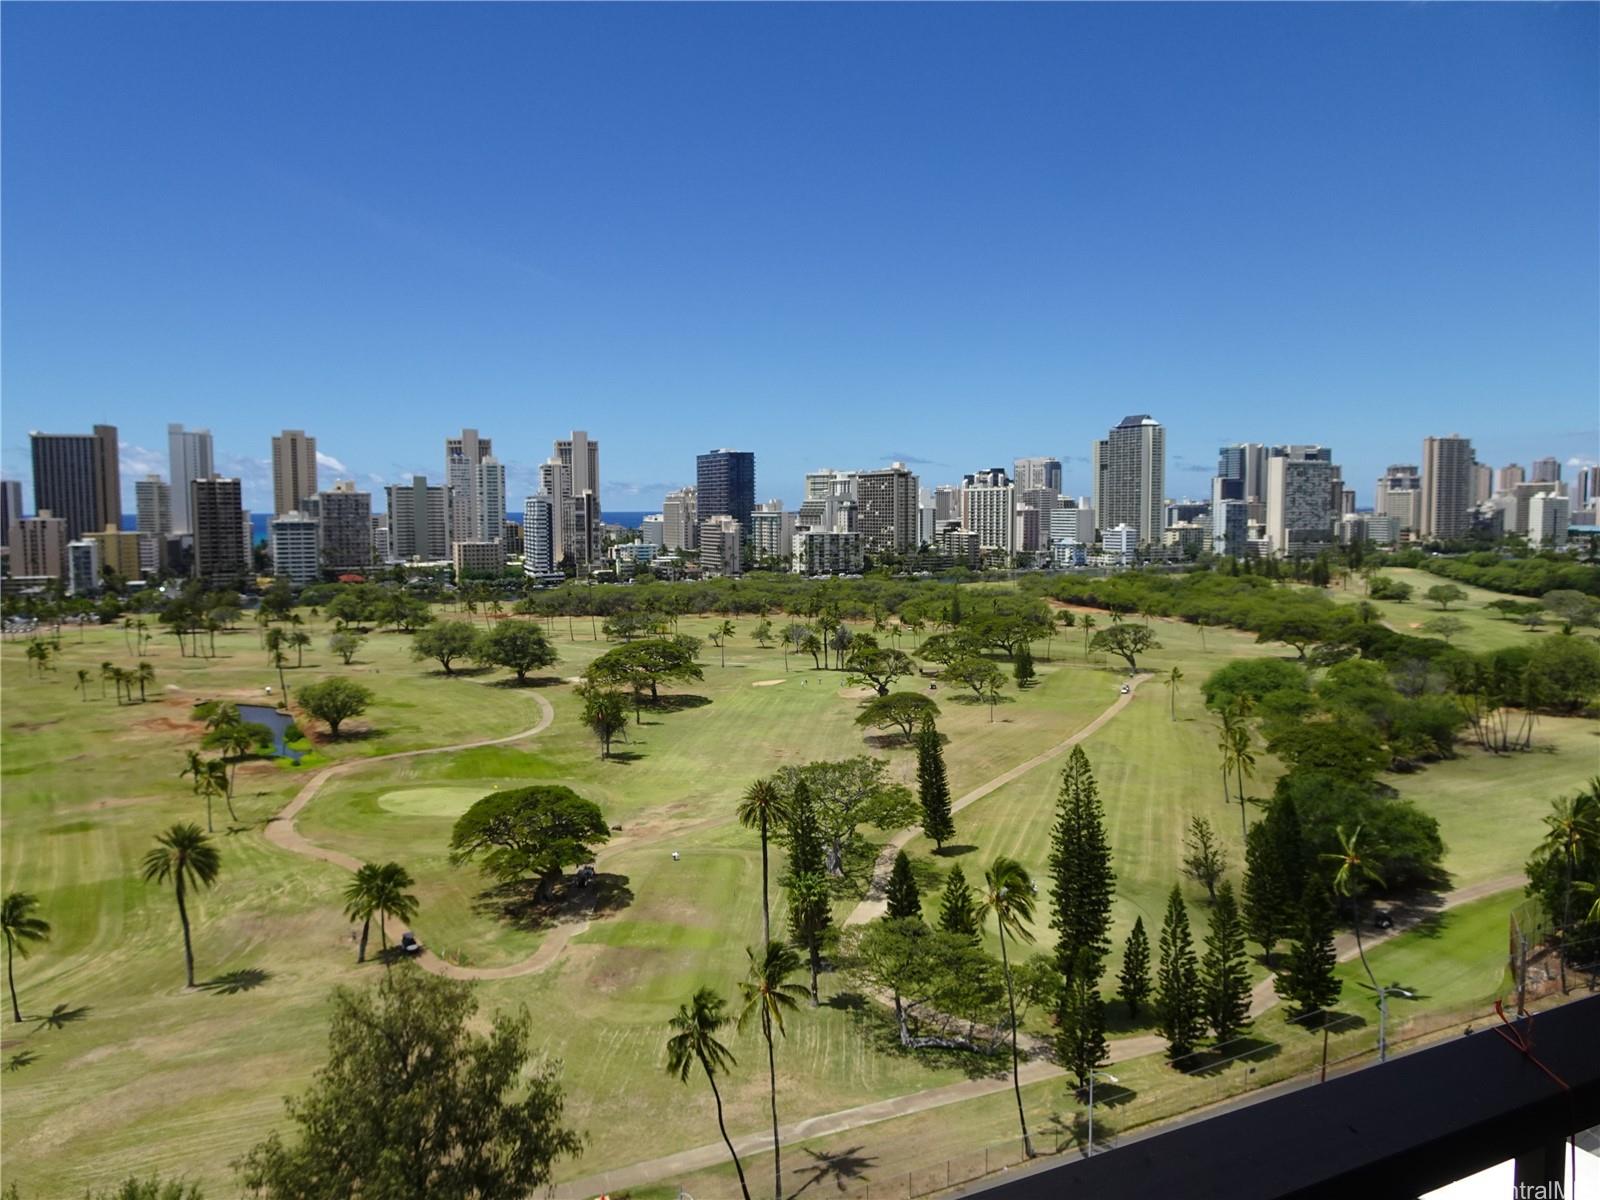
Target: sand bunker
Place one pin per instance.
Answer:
(768, 682)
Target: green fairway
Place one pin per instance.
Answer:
(147, 1076)
(1453, 960)
(1485, 629)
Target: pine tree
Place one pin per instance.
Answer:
(904, 900)
(1081, 1029)
(933, 787)
(806, 849)
(1135, 977)
(1275, 873)
(958, 912)
(955, 605)
(1022, 666)
(1308, 980)
(1180, 1004)
(1081, 873)
(1226, 969)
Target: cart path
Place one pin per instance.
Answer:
(877, 902)
(752, 1145)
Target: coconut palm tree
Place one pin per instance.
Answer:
(299, 639)
(1008, 895)
(763, 807)
(1572, 831)
(1174, 678)
(142, 674)
(20, 927)
(184, 855)
(720, 635)
(83, 683)
(360, 904)
(694, 1039)
(1088, 625)
(108, 670)
(1351, 876)
(390, 898)
(768, 994)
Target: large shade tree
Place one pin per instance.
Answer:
(531, 832)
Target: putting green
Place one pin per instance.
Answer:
(431, 801)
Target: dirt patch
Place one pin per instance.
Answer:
(168, 725)
(768, 682)
(31, 726)
(115, 802)
(856, 693)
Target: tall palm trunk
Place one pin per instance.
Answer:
(361, 950)
(772, 1091)
(711, 1078)
(1016, 1082)
(11, 982)
(188, 946)
(766, 912)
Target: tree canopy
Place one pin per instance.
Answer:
(530, 832)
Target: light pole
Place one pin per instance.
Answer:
(1088, 1149)
(1394, 989)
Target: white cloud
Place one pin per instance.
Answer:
(138, 462)
(332, 463)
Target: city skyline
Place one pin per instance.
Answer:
(1111, 221)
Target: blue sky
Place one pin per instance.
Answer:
(834, 235)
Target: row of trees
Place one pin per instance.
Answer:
(518, 646)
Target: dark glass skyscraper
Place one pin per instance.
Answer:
(726, 486)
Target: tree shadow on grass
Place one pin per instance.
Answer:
(888, 741)
(841, 1166)
(231, 983)
(61, 1016)
(1216, 1059)
(623, 757)
(956, 850)
(878, 1024)
(22, 1058)
(679, 702)
(520, 905)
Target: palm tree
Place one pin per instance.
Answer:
(390, 898)
(108, 670)
(768, 994)
(1573, 828)
(1088, 625)
(1008, 894)
(194, 766)
(20, 927)
(694, 1039)
(299, 639)
(142, 674)
(1353, 873)
(763, 806)
(360, 904)
(83, 683)
(722, 633)
(185, 855)
(1174, 678)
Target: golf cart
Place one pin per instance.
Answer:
(409, 943)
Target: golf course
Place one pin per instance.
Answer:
(119, 1068)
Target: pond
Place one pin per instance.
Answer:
(276, 720)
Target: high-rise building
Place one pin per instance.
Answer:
(1546, 470)
(721, 546)
(1549, 515)
(725, 486)
(477, 558)
(1399, 495)
(771, 533)
(990, 512)
(1510, 475)
(1121, 543)
(1446, 486)
(39, 546)
(988, 477)
(293, 540)
(829, 494)
(886, 512)
(189, 457)
(83, 567)
(1074, 525)
(10, 507)
(152, 499)
(221, 529)
(345, 519)
(77, 476)
(489, 515)
(1515, 505)
(419, 521)
(583, 535)
(1027, 536)
(1302, 516)
(826, 552)
(122, 552)
(1589, 488)
(538, 536)
(1230, 528)
(294, 470)
(946, 503)
(653, 529)
(1482, 483)
(1128, 468)
(1245, 462)
(679, 519)
(1031, 473)
(461, 458)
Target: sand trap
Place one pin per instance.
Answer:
(768, 682)
(431, 801)
(574, 679)
(857, 693)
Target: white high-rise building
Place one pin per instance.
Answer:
(189, 457)
(1549, 515)
(582, 534)
(152, 498)
(771, 532)
(294, 541)
(538, 536)
(83, 567)
(680, 521)
(653, 529)
(489, 517)
(826, 552)
(1302, 517)
(1399, 495)
(461, 458)
(1128, 468)
(721, 546)
(990, 512)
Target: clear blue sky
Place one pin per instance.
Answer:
(830, 234)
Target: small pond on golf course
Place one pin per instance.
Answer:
(275, 720)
